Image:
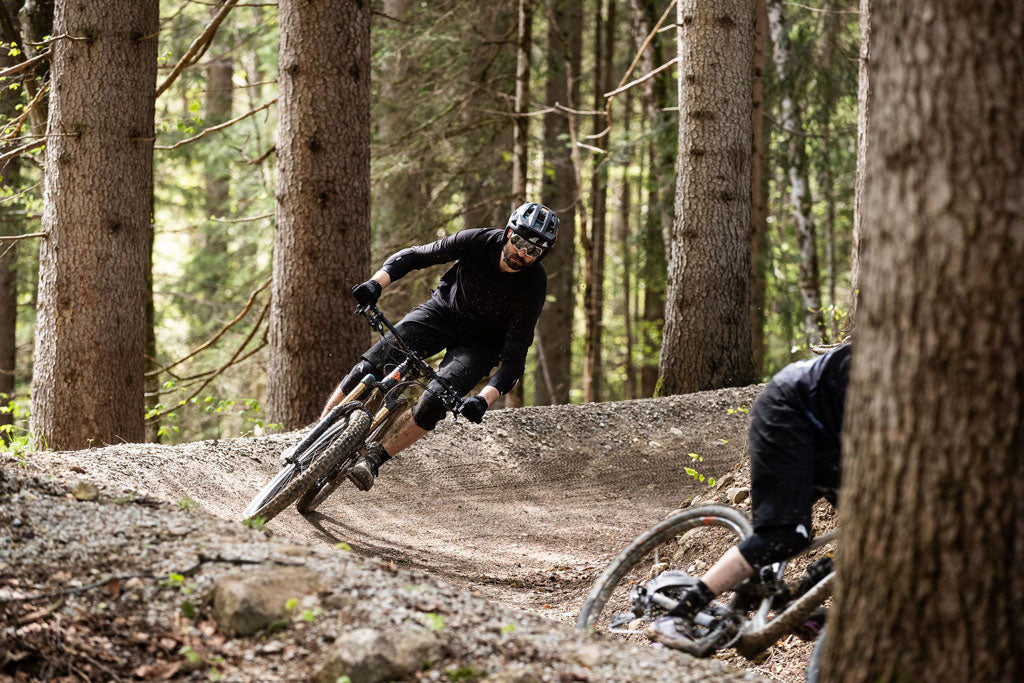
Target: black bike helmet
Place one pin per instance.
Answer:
(536, 223)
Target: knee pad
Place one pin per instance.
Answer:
(428, 411)
(774, 544)
(361, 369)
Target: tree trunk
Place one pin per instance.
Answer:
(321, 243)
(659, 187)
(553, 342)
(87, 387)
(486, 176)
(932, 537)
(864, 97)
(520, 138)
(759, 252)
(594, 247)
(625, 237)
(403, 213)
(706, 341)
(829, 100)
(11, 225)
(799, 184)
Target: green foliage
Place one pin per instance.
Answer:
(464, 674)
(697, 476)
(342, 545)
(186, 504)
(507, 629)
(258, 522)
(435, 622)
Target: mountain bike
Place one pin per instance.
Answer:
(648, 578)
(312, 469)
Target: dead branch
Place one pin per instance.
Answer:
(247, 219)
(4, 158)
(15, 238)
(198, 46)
(214, 338)
(625, 76)
(221, 369)
(20, 121)
(18, 68)
(648, 76)
(214, 129)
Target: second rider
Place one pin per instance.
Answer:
(482, 313)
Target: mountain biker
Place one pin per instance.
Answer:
(795, 428)
(483, 313)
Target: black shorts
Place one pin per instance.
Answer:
(792, 463)
(428, 330)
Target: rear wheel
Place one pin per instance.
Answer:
(689, 540)
(293, 486)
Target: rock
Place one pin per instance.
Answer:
(512, 676)
(675, 431)
(724, 481)
(85, 491)
(737, 494)
(244, 603)
(588, 656)
(367, 655)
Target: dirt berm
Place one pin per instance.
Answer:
(486, 536)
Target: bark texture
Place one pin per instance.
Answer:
(706, 341)
(863, 112)
(87, 386)
(660, 189)
(594, 247)
(760, 254)
(321, 241)
(933, 543)
(553, 343)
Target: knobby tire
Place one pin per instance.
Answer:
(641, 547)
(347, 442)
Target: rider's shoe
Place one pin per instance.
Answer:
(671, 632)
(367, 468)
(813, 626)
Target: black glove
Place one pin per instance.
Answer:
(367, 293)
(473, 409)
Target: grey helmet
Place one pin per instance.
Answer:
(536, 223)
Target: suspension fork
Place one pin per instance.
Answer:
(402, 372)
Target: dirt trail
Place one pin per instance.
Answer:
(525, 509)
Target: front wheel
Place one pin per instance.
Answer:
(294, 484)
(666, 545)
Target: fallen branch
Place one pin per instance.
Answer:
(214, 129)
(15, 238)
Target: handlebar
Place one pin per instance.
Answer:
(380, 323)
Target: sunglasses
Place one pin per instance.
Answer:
(522, 244)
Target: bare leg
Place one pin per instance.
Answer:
(334, 400)
(402, 434)
(729, 571)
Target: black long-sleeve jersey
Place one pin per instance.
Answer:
(483, 301)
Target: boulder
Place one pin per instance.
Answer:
(244, 603)
(367, 655)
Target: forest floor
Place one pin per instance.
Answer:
(487, 537)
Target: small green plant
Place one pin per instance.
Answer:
(279, 624)
(310, 615)
(257, 522)
(190, 655)
(186, 504)
(188, 610)
(435, 622)
(291, 604)
(342, 679)
(341, 545)
(507, 629)
(214, 674)
(129, 496)
(464, 674)
(697, 476)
